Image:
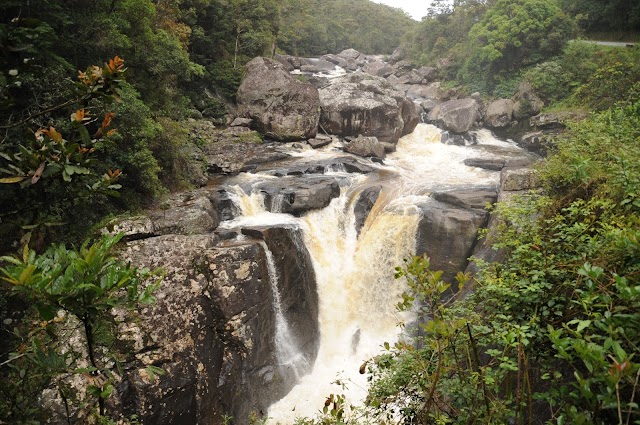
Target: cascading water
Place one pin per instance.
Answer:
(287, 352)
(354, 271)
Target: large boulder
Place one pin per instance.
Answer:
(447, 233)
(366, 147)
(526, 102)
(499, 113)
(378, 69)
(297, 195)
(281, 107)
(410, 113)
(237, 149)
(318, 65)
(457, 115)
(360, 104)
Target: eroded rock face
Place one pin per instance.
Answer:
(360, 104)
(457, 115)
(212, 328)
(281, 107)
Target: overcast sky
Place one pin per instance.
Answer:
(416, 8)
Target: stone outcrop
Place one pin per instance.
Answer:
(238, 149)
(212, 328)
(449, 227)
(499, 113)
(457, 115)
(282, 108)
(366, 147)
(360, 104)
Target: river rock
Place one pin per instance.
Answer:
(238, 149)
(360, 104)
(335, 59)
(211, 331)
(366, 147)
(410, 113)
(447, 234)
(352, 54)
(297, 195)
(320, 141)
(467, 199)
(455, 115)
(526, 101)
(364, 204)
(289, 62)
(281, 107)
(318, 66)
(486, 163)
(499, 113)
(411, 77)
(378, 68)
(133, 228)
(241, 122)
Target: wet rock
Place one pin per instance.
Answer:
(410, 115)
(345, 163)
(466, 139)
(499, 113)
(485, 163)
(366, 147)
(281, 107)
(455, 115)
(223, 204)
(297, 195)
(360, 104)
(364, 204)
(537, 141)
(320, 141)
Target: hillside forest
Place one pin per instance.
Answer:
(97, 100)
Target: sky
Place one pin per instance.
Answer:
(416, 8)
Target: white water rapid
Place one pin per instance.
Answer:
(356, 288)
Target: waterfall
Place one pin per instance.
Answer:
(354, 271)
(287, 351)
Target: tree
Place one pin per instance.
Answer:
(87, 285)
(516, 34)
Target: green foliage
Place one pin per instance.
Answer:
(514, 34)
(86, 285)
(551, 333)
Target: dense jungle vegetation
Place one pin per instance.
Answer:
(550, 333)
